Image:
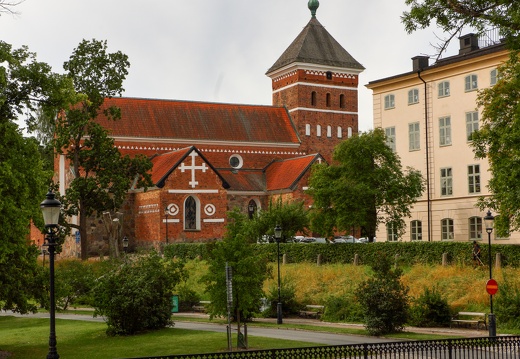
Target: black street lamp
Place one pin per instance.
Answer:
(51, 213)
(278, 237)
(125, 244)
(489, 221)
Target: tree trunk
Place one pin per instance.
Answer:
(83, 234)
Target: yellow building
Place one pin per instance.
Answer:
(428, 115)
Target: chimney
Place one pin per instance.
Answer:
(419, 63)
(468, 43)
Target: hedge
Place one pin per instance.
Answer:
(408, 253)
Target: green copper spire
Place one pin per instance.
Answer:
(313, 6)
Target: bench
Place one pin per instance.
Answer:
(470, 318)
(312, 311)
(201, 307)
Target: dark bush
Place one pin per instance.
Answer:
(384, 299)
(287, 297)
(187, 297)
(431, 309)
(508, 306)
(135, 295)
(342, 309)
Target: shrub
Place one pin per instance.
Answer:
(384, 298)
(74, 282)
(507, 305)
(187, 297)
(342, 308)
(136, 295)
(431, 309)
(287, 297)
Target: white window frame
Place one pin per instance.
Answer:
(340, 132)
(391, 233)
(446, 181)
(414, 136)
(329, 131)
(413, 96)
(447, 229)
(318, 130)
(493, 77)
(471, 124)
(471, 83)
(445, 131)
(389, 102)
(443, 89)
(307, 129)
(390, 137)
(475, 228)
(474, 179)
(349, 132)
(416, 230)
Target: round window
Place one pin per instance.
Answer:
(235, 161)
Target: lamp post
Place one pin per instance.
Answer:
(125, 244)
(489, 220)
(51, 213)
(278, 237)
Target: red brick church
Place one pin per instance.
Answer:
(209, 158)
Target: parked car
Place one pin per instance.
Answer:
(346, 239)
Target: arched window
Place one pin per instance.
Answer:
(447, 233)
(328, 100)
(329, 131)
(251, 208)
(307, 129)
(342, 101)
(340, 132)
(349, 132)
(191, 213)
(391, 232)
(416, 230)
(318, 130)
(313, 98)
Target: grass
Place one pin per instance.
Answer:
(28, 338)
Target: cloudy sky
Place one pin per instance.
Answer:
(215, 50)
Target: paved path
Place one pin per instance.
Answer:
(280, 331)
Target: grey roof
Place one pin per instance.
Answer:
(314, 45)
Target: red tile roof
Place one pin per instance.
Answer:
(200, 121)
(243, 180)
(166, 163)
(285, 174)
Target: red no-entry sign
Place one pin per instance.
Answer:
(492, 287)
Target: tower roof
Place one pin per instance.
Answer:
(314, 45)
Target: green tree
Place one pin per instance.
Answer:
(25, 85)
(136, 295)
(249, 272)
(101, 175)
(497, 140)
(452, 16)
(384, 299)
(291, 216)
(365, 186)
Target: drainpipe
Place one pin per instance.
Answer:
(428, 194)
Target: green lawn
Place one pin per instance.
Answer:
(28, 338)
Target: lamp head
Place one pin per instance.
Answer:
(489, 221)
(277, 233)
(50, 209)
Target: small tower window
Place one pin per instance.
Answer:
(307, 129)
(329, 75)
(328, 100)
(340, 132)
(349, 132)
(329, 131)
(342, 101)
(318, 130)
(313, 98)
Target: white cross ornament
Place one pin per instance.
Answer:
(193, 183)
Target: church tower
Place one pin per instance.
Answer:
(316, 79)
